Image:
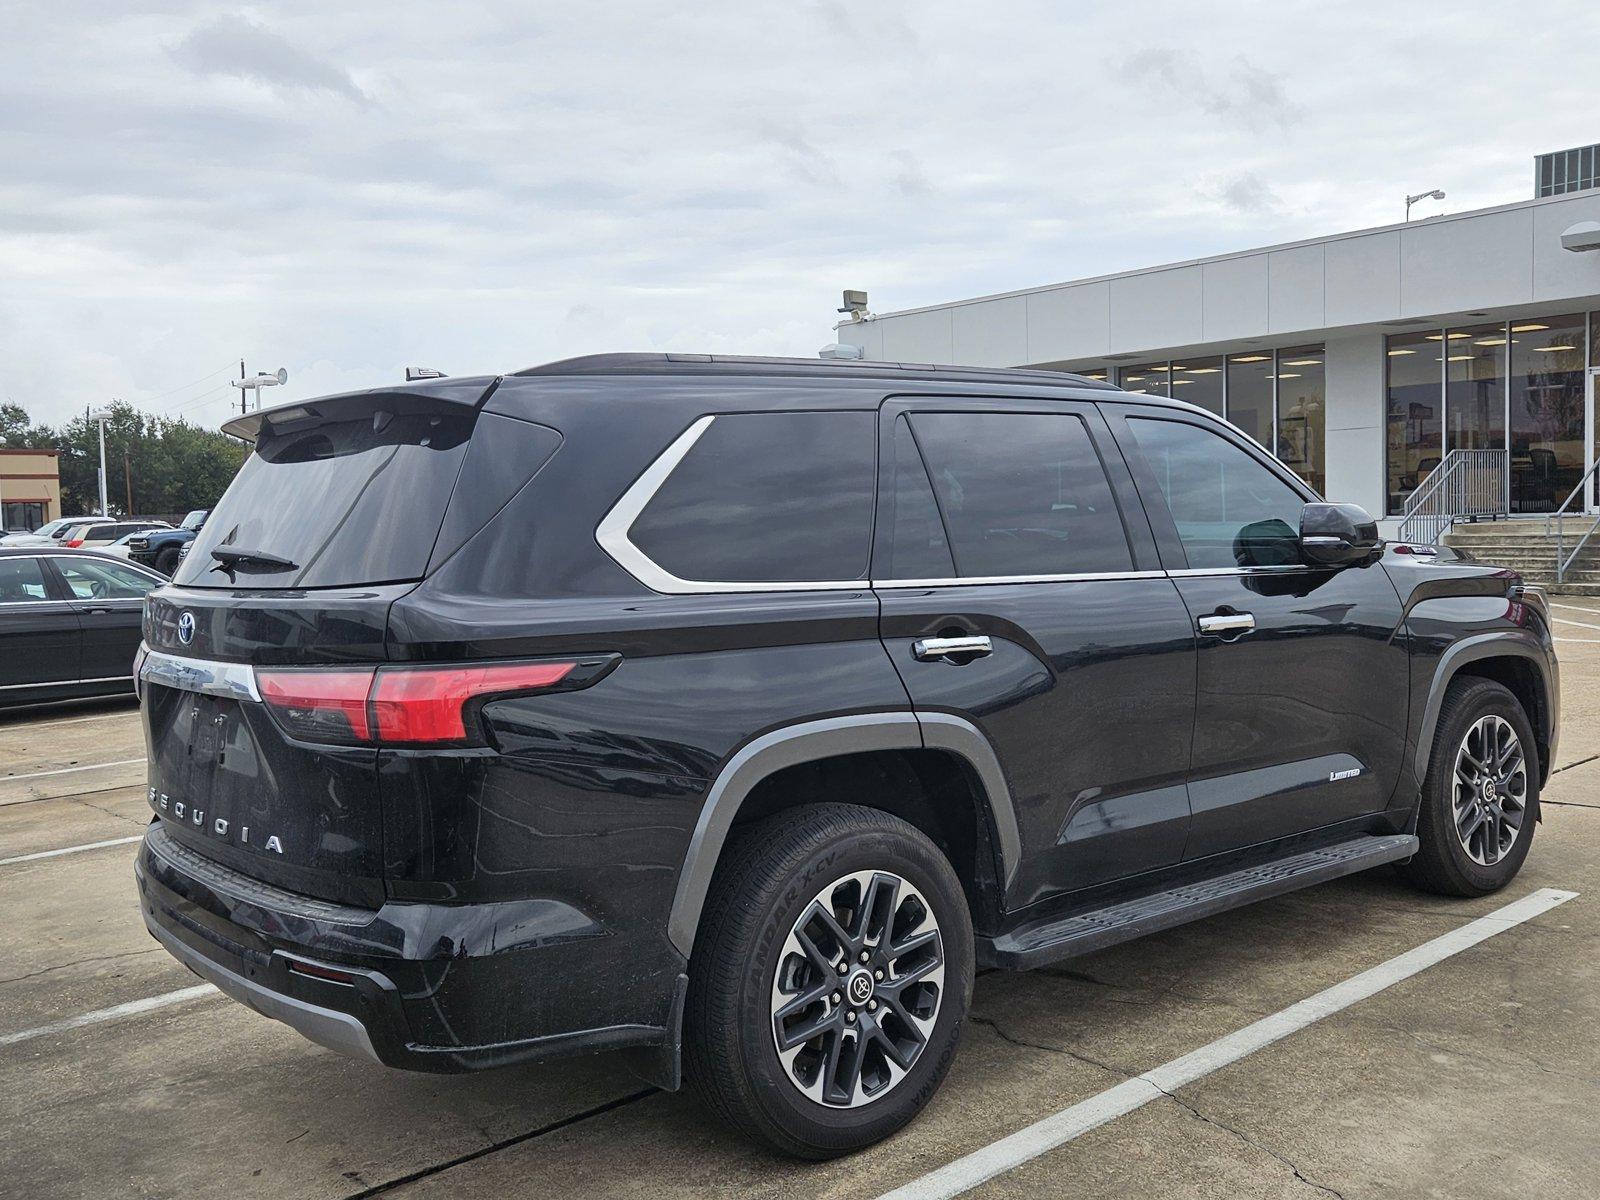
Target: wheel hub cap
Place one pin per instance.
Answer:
(857, 989)
(1490, 790)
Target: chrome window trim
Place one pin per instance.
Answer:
(234, 680)
(612, 533)
(981, 580)
(17, 687)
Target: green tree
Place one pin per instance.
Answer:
(173, 466)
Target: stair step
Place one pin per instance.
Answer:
(1053, 939)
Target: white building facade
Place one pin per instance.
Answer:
(1360, 359)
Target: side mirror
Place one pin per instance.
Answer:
(1338, 535)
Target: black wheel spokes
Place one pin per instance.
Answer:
(857, 989)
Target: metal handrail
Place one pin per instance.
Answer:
(1563, 559)
(1468, 483)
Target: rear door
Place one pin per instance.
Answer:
(1016, 524)
(1303, 683)
(329, 521)
(109, 600)
(38, 628)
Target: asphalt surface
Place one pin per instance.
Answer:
(1476, 1077)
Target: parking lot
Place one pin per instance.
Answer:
(1476, 1075)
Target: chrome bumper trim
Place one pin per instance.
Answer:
(234, 680)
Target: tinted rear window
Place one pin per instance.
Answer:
(767, 498)
(346, 502)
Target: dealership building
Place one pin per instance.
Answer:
(30, 488)
(1360, 359)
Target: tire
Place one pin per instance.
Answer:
(1477, 714)
(167, 561)
(767, 894)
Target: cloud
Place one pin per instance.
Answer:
(1248, 193)
(1245, 94)
(342, 189)
(237, 46)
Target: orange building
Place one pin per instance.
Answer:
(30, 489)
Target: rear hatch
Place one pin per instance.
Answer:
(286, 590)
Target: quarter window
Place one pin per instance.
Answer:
(104, 581)
(767, 498)
(1021, 494)
(1230, 509)
(21, 581)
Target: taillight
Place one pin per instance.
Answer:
(404, 705)
(74, 543)
(320, 706)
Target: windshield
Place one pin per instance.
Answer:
(334, 504)
(194, 520)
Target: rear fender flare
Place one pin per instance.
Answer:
(1472, 649)
(829, 738)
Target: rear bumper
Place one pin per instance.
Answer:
(408, 970)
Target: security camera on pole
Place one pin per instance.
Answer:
(255, 383)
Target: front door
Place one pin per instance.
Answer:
(1014, 528)
(108, 597)
(1302, 679)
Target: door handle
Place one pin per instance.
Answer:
(99, 608)
(935, 648)
(1227, 623)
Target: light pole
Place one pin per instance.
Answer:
(102, 417)
(1436, 194)
(256, 382)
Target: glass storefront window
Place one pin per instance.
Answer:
(1413, 403)
(1151, 379)
(1250, 394)
(1475, 386)
(1302, 420)
(1199, 381)
(1547, 417)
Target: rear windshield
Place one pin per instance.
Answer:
(336, 504)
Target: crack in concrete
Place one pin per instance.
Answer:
(78, 962)
(1186, 1105)
(141, 822)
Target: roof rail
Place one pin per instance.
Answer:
(730, 364)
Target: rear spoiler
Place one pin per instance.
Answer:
(463, 393)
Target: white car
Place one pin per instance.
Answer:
(100, 534)
(51, 532)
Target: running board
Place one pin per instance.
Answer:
(1063, 937)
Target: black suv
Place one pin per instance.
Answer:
(730, 713)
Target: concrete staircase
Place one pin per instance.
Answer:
(1524, 546)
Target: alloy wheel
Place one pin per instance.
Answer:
(1490, 790)
(857, 989)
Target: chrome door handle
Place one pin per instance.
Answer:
(931, 649)
(1227, 623)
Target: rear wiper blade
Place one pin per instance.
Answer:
(231, 556)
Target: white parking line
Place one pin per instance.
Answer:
(1585, 624)
(121, 762)
(22, 858)
(131, 1009)
(1043, 1136)
(1593, 612)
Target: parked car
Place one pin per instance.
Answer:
(51, 532)
(749, 706)
(96, 536)
(69, 623)
(161, 548)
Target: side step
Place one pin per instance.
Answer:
(1063, 937)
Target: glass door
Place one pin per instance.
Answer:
(1549, 411)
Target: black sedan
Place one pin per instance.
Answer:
(69, 623)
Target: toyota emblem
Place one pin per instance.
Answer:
(186, 628)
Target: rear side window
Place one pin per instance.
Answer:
(21, 581)
(1021, 494)
(1230, 509)
(344, 502)
(767, 498)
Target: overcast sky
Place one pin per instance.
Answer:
(343, 189)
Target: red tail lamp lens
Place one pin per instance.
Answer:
(394, 705)
(426, 704)
(320, 706)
